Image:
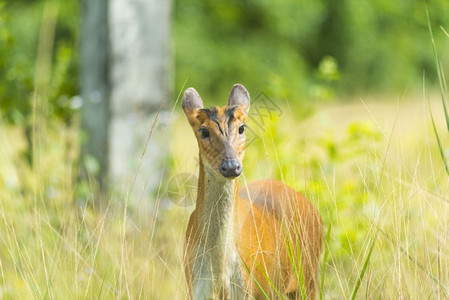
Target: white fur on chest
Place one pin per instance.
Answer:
(212, 282)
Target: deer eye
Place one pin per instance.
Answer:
(204, 132)
(241, 129)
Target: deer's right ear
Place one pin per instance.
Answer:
(239, 96)
(191, 103)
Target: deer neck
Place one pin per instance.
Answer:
(215, 209)
(217, 264)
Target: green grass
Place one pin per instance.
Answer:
(363, 171)
(443, 89)
(325, 258)
(364, 268)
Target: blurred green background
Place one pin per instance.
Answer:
(301, 50)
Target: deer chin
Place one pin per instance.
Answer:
(213, 172)
(230, 177)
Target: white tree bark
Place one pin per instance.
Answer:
(139, 79)
(125, 62)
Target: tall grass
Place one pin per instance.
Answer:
(443, 90)
(55, 242)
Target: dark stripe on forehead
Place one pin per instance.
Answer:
(211, 113)
(229, 112)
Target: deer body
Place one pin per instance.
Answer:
(242, 244)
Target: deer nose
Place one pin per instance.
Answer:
(230, 168)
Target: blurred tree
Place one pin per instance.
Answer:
(95, 86)
(124, 80)
(139, 77)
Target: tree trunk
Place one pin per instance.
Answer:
(95, 87)
(138, 76)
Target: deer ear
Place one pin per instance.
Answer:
(191, 102)
(239, 96)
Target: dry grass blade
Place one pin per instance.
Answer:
(412, 259)
(326, 254)
(296, 262)
(255, 279)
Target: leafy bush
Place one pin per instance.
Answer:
(24, 26)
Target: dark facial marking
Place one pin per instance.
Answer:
(229, 112)
(212, 114)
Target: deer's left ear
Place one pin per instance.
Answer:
(239, 96)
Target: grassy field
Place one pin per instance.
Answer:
(372, 167)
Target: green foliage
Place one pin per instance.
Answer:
(304, 49)
(290, 49)
(21, 32)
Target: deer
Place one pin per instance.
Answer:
(263, 241)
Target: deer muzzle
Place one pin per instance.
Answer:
(230, 168)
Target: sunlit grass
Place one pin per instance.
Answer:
(363, 170)
(443, 90)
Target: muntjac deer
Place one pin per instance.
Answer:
(262, 241)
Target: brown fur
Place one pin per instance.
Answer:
(264, 223)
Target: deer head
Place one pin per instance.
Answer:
(220, 131)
